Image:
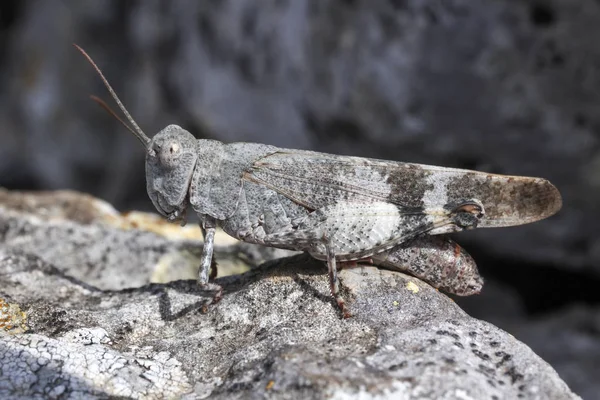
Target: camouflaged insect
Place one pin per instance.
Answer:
(339, 209)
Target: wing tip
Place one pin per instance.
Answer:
(532, 200)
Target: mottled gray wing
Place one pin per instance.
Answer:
(316, 180)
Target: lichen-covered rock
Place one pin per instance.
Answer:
(276, 333)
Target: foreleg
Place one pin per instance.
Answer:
(208, 266)
(204, 275)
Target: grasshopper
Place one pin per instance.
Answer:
(339, 209)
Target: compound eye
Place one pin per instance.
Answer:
(169, 153)
(174, 148)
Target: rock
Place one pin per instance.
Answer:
(276, 333)
(569, 342)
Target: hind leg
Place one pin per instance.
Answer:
(334, 283)
(437, 260)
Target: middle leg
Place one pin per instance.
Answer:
(334, 283)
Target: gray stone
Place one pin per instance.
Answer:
(276, 333)
(568, 341)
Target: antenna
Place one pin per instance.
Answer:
(109, 110)
(136, 129)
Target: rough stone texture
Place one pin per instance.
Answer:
(277, 333)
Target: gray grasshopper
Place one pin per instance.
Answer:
(339, 209)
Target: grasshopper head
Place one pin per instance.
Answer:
(170, 158)
(170, 161)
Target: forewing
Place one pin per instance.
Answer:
(316, 180)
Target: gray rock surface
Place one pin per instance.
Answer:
(275, 334)
(276, 324)
(568, 339)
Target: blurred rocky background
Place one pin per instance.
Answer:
(504, 86)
